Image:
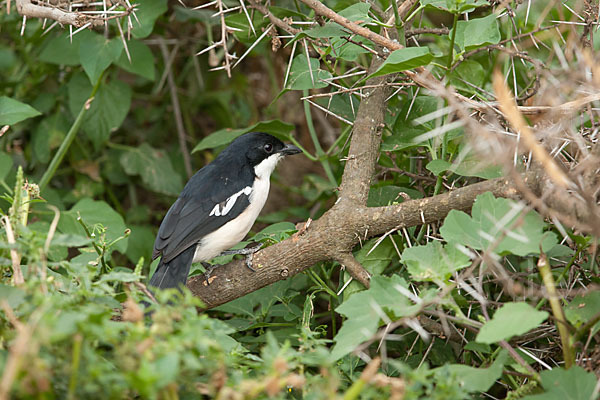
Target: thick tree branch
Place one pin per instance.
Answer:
(366, 137)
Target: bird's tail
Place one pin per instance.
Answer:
(174, 273)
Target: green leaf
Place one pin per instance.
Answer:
(94, 213)
(374, 259)
(142, 60)
(390, 194)
(574, 383)
(358, 12)
(107, 111)
(583, 308)
(406, 129)
(225, 136)
(329, 30)
(476, 379)
(13, 111)
(138, 246)
(48, 135)
(490, 218)
(477, 32)
(64, 49)
(276, 232)
(6, 164)
(469, 166)
(512, 319)
(364, 311)
(147, 13)
(454, 6)
(349, 51)
(12, 295)
(468, 71)
(154, 167)
(434, 262)
(96, 54)
(300, 74)
(404, 59)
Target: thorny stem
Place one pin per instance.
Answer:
(66, 143)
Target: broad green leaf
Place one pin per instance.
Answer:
(107, 111)
(96, 54)
(245, 34)
(8, 59)
(329, 30)
(364, 311)
(48, 135)
(583, 308)
(389, 194)
(94, 213)
(64, 49)
(434, 262)
(490, 219)
(454, 6)
(512, 319)
(142, 60)
(358, 12)
(6, 164)
(138, 246)
(13, 111)
(404, 59)
(154, 167)
(12, 295)
(300, 74)
(225, 136)
(276, 232)
(147, 13)
(406, 130)
(469, 166)
(574, 383)
(468, 71)
(477, 379)
(477, 32)
(350, 51)
(375, 258)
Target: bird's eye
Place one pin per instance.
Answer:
(268, 147)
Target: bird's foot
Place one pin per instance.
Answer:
(248, 252)
(208, 269)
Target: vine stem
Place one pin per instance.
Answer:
(66, 143)
(452, 40)
(318, 149)
(559, 315)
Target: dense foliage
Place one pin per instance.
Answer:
(500, 302)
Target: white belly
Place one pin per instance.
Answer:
(234, 231)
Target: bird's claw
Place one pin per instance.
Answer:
(208, 269)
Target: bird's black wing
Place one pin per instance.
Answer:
(207, 202)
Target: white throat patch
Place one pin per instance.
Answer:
(266, 166)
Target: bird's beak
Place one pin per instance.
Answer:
(290, 149)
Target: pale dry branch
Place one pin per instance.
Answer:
(69, 16)
(512, 114)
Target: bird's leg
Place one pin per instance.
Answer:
(208, 269)
(248, 252)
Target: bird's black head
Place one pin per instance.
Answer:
(262, 151)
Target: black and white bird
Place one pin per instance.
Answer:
(217, 207)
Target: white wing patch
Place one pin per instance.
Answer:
(222, 210)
